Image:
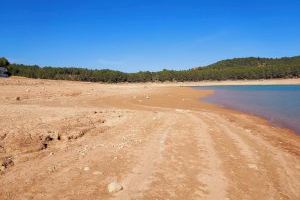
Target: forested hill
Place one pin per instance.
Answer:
(231, 69)
(257, 62)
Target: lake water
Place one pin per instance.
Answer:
(280, 104)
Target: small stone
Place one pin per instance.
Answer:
(51, 169)
(18, 98)
(51, 154)
(97, 173)
(2, 168)
(7, 162)
(252, 166)
(86, 168)
(82, 153)
(114, 187)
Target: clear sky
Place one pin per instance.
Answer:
(133, 35)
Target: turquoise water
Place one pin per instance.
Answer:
(280, 104)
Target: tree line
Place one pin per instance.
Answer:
(231, 69)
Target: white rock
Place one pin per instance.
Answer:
(114, 187)
(86, 168)
(97, 173)
(2, 168)
(252, 166)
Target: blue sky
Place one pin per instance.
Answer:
(133, 35)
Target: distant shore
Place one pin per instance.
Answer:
(290, 81)
(294, 81)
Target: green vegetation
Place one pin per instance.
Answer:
(233, 69)
(4, 62)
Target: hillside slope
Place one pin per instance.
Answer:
(232, 69)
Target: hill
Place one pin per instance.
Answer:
(230, 69)
(257, 62)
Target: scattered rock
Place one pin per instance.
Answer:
(45, 140)
(86, 168)
(82, 153)
(52, 169)
(114, 187)
(97, 173)
(252, 166)
(18, 98)
(2, 168)
(147, 97)
(58, 137)
(7, 162)
(77, 135)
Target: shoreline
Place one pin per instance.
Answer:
(69, 140)
(276, 124)
(289, 81)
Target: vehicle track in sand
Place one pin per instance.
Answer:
(157, 142)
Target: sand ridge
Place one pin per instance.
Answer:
(69, 140)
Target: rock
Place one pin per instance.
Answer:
(7, 162)
(252, 166)
(114, 187)
(97, 173)
(86, 168)
(147, 97)
(18, 98)
(2, 168)
(52, 169)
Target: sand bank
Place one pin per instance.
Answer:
(69, 140)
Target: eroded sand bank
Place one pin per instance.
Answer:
(69, 140)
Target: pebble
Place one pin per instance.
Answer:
(97, 173)
(86, 168)
(114, 187)
(2, 168)
(252, 166)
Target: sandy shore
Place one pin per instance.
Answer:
(69, 140)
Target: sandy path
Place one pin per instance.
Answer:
(158, 142)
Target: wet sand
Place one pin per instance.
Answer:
(69, 140)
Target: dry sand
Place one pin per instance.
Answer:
(69, 140)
